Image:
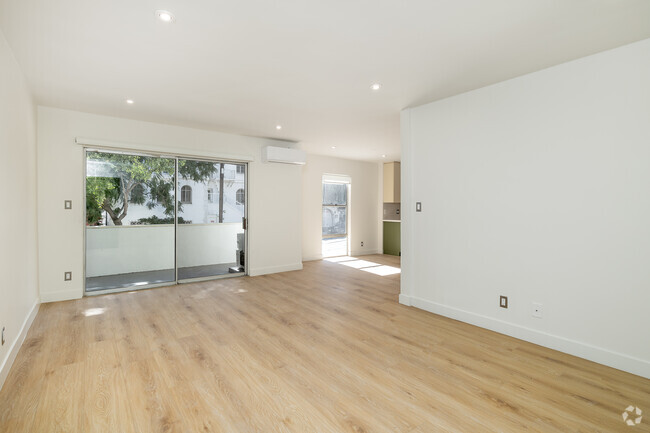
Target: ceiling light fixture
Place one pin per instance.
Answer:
(165, 16)
(278, 127)
(333, 147)
(130, 101)
(375, 86)
(383, 156)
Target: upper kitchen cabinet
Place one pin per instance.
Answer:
(392, 182)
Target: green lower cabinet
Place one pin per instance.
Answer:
(392, 244)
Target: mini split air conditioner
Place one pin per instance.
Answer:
(284, 155)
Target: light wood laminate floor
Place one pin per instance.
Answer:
(326, 349)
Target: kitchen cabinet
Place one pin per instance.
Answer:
(392, 244)
(392, 184)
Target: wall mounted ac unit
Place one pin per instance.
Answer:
(283, 155)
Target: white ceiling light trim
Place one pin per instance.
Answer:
(165, 16)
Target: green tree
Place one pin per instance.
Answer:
(124, 179)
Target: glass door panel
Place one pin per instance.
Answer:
(335, 219)
(129, 221)
(210, 233)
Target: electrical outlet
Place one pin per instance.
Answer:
(537, 310)
(67, 204)
(503, 302)
(3, 335)
(361, 243)
(67, 276)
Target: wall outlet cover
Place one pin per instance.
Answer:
(503, 301)
(538, 310)
(67, 276)
(67, 204)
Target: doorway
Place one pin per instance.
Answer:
(336, 195)
(160, 220)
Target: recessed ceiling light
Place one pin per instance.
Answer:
(278, 127)
(383, 156)
(333, 147)
(375, 86)
(165, 16)
(130, 101)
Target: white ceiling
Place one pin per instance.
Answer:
(244, 66)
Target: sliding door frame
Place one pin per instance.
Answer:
(175, 157)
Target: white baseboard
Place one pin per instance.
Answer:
(312, 258)
(405, 300)
(364, 252)
(617, 360)
(18, 342)
(275, 269)
(64, 295)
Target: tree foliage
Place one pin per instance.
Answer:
(125, 179)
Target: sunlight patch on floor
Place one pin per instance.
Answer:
(94, 312)
(339, 259)
(365, 265)
(359, 264)
(383, 270)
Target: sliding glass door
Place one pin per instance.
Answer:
(211, 217)
(154, 221)
(129, 220)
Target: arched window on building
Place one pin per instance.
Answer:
(240, 197)
(186, 194)
(137, 194)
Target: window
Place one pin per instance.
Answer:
(240, 169)
(210, 195)
(186, 194)
(240, 197)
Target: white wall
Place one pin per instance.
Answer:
(274, 191)
(538, 188)
(18, 266)
(365, 202)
